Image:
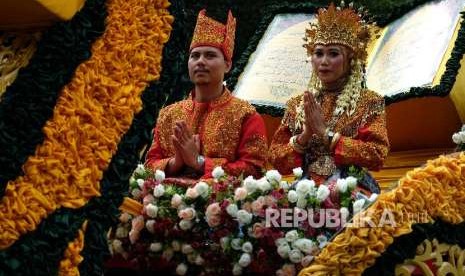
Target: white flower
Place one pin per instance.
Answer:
(187, 249)
(240, 194)
(244, 217)
(237, 269)
(140, 169)
(155, 247)
(298, 172)
(232, 210)
(295, 256)
(176, 245)
(149, 225)
(121, 232)
(185, 224)
(117, 246)
(280, 242)
(273, 175)
(322, 240)
(306, 260)
(344, 213)
(136, 193)
(459, 137)
(304, 186)
(151, 210)
(304, 245)
(217, 172)
(292, 196)
(301, 202)
(202, 189)
(159, 190)
(181, 269)
(373, 197)
(245, 260)
(199, 260)
(192, 193)
(292, 235)
(159, 175)
(250, 184)
(284, 185)
(358, 205)
(462, 137)
(283, 250)
(236, 244)
(168, 253)
(247, 247)
(322, 193)
(351, 182)
(224, 241)
(140, 182)
(176, 200)
(264, 185)
(341, 185)
(191, 258)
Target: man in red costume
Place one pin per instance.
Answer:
(211, 127)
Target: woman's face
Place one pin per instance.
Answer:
(330, 62)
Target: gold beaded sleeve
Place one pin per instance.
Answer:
(281, 155)
(370, 146)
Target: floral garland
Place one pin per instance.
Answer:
(193, 230)
(72, 257)
(434, 189)
(91, 115)
(29, 101)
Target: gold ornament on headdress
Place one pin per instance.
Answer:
(339, 25)
(209, 32)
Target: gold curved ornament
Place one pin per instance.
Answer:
(16, 49)
(448, 259)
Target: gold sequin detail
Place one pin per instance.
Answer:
(219, 127)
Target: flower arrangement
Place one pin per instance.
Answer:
(233, 225)
(459, 139)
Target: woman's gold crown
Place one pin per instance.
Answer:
(339, 25)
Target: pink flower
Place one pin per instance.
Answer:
(286, 270)
(247, 206)
(269, 200)
(192, 193)
(257, 230)
(213, 220)
(187, 213)
(138, 223)
(258, 204)
(124, 217)
(148, 199)
(240, 194)
(133, 236)
(213, 209)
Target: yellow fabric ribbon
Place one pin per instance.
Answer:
(92, 113)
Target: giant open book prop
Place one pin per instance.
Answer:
(409, 53)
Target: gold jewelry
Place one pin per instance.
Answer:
(334, 141)
(296, 146)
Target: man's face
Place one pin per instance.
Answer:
(207, 65)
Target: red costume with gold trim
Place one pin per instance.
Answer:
(231, 132)
(364, 141)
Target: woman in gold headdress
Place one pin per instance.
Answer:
(338, 123)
